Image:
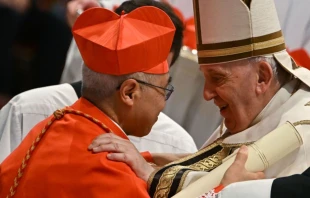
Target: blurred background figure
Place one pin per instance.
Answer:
(34, 41)
(295, 22)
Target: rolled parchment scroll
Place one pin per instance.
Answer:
(262, 154)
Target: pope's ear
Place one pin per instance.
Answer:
(264, 76)
(130, 91)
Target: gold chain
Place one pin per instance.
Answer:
(302, 122)
(232, 145)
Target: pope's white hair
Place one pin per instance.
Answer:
(280, 74)
(101, 86)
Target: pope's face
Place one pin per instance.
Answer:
(232, 88)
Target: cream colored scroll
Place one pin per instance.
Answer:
(262, 154)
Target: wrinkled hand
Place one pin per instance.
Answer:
(122, 151)
(237, 172)
(74, 5)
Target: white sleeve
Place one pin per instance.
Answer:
(248, 189)
(108, 4)
(72, 71)
(9, 127)
(15, 123)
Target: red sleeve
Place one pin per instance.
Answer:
(212, 193)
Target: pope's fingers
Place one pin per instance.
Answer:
(107, 135)
(110, 135)
(99, 141)
(105, 139)
(256, 176)
(241, 156)
(140, 167)
(115, 147)
(120, 157)
(261, 175)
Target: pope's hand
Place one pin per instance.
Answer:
(74, 5)
(237, 172)
(122, 151)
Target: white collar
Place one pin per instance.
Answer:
(277, 101)
(117, 125)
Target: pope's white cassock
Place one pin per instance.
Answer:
(295, 22)
(259, 35)
(287, 105)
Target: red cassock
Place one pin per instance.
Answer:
(60, 166)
